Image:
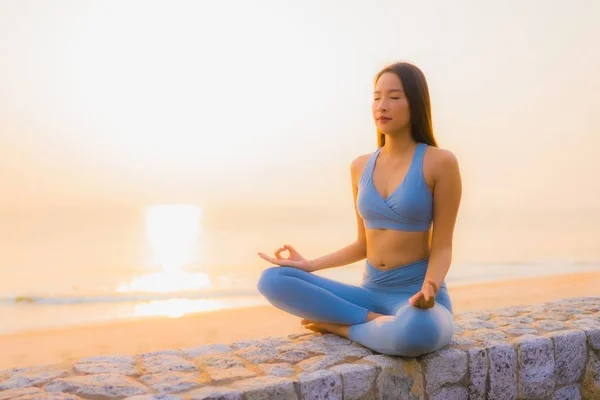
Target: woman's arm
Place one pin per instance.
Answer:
(357, 250)
(447, 192)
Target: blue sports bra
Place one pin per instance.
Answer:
(408, 208)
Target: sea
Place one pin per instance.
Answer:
(72, 277)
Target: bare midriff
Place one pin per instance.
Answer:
(389, 249)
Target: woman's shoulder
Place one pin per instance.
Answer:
(441, 156)
(358, 164)
(440, 160)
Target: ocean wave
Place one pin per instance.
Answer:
(458, 275)
(120, 298)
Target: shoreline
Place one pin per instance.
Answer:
(153, 333)
(149, 318)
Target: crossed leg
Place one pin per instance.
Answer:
(316, 298)
(357, 314)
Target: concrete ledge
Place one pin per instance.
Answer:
(545, 351)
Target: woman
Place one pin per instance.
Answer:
(403, 188)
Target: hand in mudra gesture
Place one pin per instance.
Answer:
(294, 260)
(426, 296)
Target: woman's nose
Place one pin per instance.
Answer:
(382, 106)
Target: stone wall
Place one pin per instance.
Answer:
(546, 351)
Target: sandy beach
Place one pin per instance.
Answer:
(151, 334)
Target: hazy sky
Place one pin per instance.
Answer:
(267, 102)
(253, 111)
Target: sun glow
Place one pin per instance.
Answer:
(175, 308)
(173, 233)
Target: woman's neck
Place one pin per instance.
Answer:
(398, 145)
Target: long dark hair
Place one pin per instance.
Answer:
(417, 93)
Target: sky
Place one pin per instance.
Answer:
(253, 110)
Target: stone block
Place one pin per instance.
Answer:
(591, 379)
(358, 380)
(446, 366)
(266, 388)
(536, 366)
(320, 385)
(478, 372)
(502, 372)
(98, 385)
(400, 378)
(570, 353)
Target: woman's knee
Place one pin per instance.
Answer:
(272, 280)
(421, 331)
(268, 280)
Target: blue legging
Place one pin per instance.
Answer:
(404, 330)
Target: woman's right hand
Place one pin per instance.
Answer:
(294, 260)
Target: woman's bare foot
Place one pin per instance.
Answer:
(372, 315)
(338, 329)
(326, 327)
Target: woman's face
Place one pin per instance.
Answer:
(391, 110)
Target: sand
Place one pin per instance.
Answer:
(151, 334)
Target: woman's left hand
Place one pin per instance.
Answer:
(426, 297)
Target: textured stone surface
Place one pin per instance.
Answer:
(487, 335)
(507, 312)
(266, 388)
(594, 337)
(319, 362)
(32, 376)
(544, 351)
(167, 362)
(220, 361)
(399, 378)
(161, 396)
(536, 367)
(214, 393)
(293, 356)
(14, 393)
(478, 372)
(219, 375)
(207, 349)
(307, 346)
(320, 385)
(358, 380)
(570, 353)
(278, 369)
(107, 385)
(462, 341)
(266, 342)
(520, 331)
(503, 372)
(444, 367)
(97, 365)
(331, 340)
(49, 396)
(474, 323)
(450, 393)
(550, 325)
(585, 324)
(571, 392)
(256, 354)
(591, 380)
(160, 353)
(351, 351)
(173, 381)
